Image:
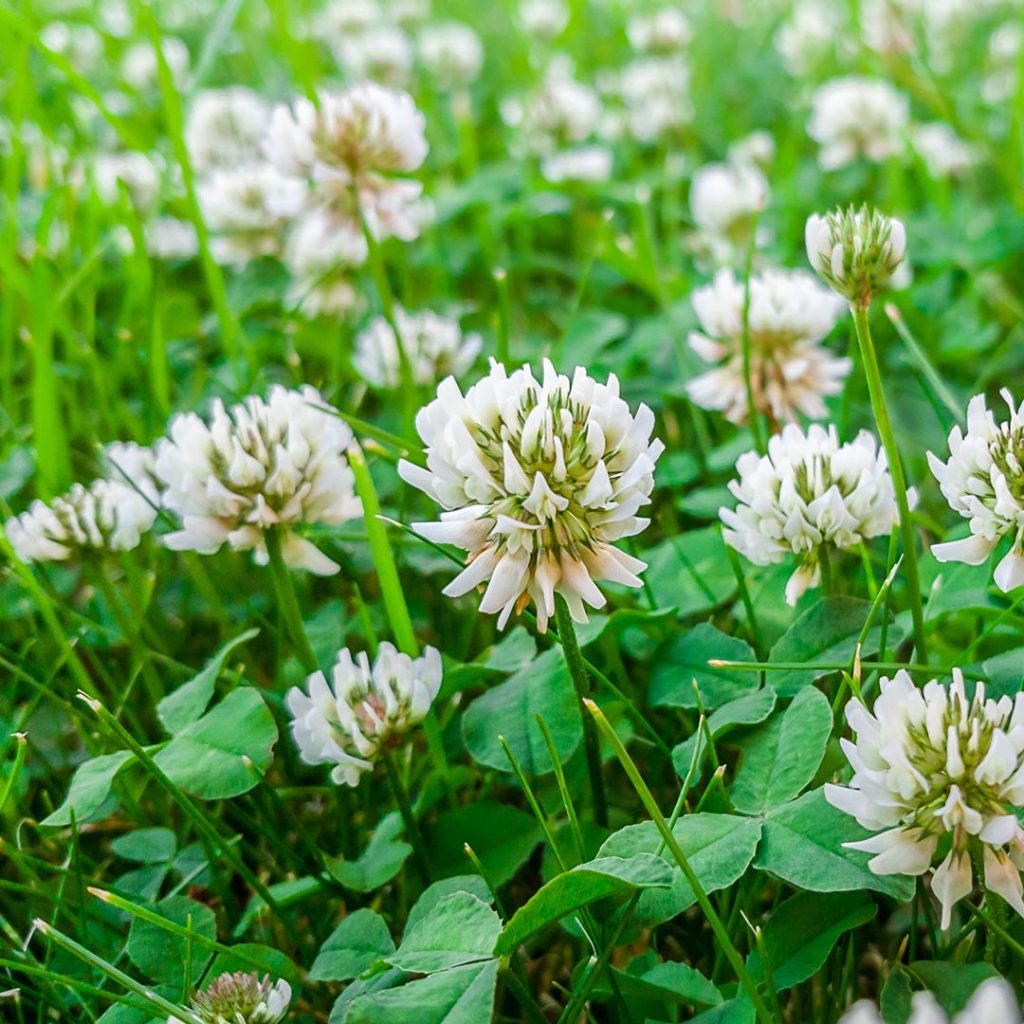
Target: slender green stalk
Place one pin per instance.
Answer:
(753, 415)
(581, 683)
(892, 454)
(825, 568)
(12, 776)
(412, 828)
(672, 844)
(288, 602)
(501, 342)
(124, 980)
(563, 791)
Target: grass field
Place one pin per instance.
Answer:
(511, 512)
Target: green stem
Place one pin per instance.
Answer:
(825, 567)
(744, 977)
(753, 416)
(885, 431)
(501, 342)
(412, 828)
(581, 683)
(288, 602)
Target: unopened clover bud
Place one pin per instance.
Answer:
(856, 251)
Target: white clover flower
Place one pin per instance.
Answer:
(725, 200)
(1003, 63)
(983, 480)
(858, 252)
(225, 128)
(135, 465)
(80, 44)
(241, 998)
(888, 26)
(350, 150)
(452, 53)
(561, 112)
(580, 163)
(382, 54)
(139, 67)
(321, 258)
(409, 14)
(754, 150)
(857, 117)
(538, 480)
(992, 1002)
(930, 764)
(363, 711)
(656, 95)
(169, 238)
(136, 171)
(544, 20)
(807, 39)
(943, 152)
(247, 209)
(664, 31)
(341, 18)
(790, 370)
(258, 465)
(105, 516)
(434, 345)
(809, 492)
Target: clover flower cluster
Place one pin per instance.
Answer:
(363, 711)
(791, 372)
(725, 203)
(241, 998)
(560, 113)
(807, 495)
(538, 480)
(858, 252)
(434, 345)
(258, 465)
(857, 117)
(930, 765)
(983, 480)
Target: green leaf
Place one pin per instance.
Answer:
(782, 756)
(379, 862)
(588, 333)
(437, 891)
(515, 651)
(669, 982)
(510, 709)
(827, 632)
(503, 837)
(90, 787)
(894, 1002)
(161, 954)
(719, 848)
(353, 947)
(683, 661)
(737, 1010)
(951, 983)
(691, 572)
(245, 956)
(583, 884)
(460, 929)
(801, 932)
(209, 757)
(146, 845)
(463, 995)
(748, 710)
(189, 701)
(803, 844)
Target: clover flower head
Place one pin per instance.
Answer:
(247, 209)
(107, 515)
(241, 998)
(656, 94)
(169, 238)
(983, 480)
(578, 163)
(258, 465)
(807, 493)
(362, 711)
(538, 479)
(725, 201)
(806, 40)
(352, 150)
(320, 256)
(452, 53)
(992, 1002)
(857, 117)
(382, 54)
(943, 152)
(858, 252)
(225, 127)
(80, 44)
(665, 31)
(561, 112)
(340, 18)
(544, 20)
(754, 150)
(135, 171)
(791, 372)
(930, 766)
(139, 67)
(434, 345)
(135, 465)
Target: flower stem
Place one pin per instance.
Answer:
(885, 431)
(753, 416)
(412, 828)
(581, 683)
(288, 603)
